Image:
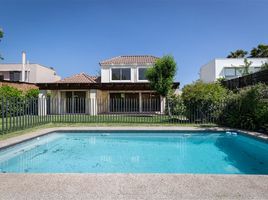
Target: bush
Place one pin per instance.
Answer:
(8, 91)
(201, 99)
(12, 92)
(32, 93)
(246, 109)
(176, 105)
(14, 101)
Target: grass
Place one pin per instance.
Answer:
(127, 118)
(24, 131)
(52, 125)
(14, 126)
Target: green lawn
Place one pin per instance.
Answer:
(33, 119)
(51, 125)
(13, 125)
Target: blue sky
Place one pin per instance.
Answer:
(73, 36)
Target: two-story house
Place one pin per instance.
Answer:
(121, 88)
(27, 72)
(229, 68)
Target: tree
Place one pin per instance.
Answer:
(161, 77)
(237, 54)
(245, 67)
(264, 66)
(261, 51)
(1, 36)
(1, 33)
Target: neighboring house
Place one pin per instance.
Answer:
(26, 72)
(121, 88)
(23, 86)
(228, 68)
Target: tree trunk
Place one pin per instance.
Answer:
(168, 106)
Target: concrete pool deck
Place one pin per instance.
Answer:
(130, 186)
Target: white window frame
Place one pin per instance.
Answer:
(122, 81)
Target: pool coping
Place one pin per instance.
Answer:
(37, 133)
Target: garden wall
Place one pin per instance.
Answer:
(251, 79)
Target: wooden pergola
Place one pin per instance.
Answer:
(98, 86)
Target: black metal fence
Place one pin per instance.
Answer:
(251, 79)
(20, 113)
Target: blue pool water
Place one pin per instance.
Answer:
(138, 152)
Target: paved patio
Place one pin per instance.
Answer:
(132, 186)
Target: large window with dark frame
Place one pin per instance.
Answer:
(121, 74)
(151, 102)
(142, 74)
(124, 102)
(14, 76)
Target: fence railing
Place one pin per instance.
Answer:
(251, 79)
(20, 113)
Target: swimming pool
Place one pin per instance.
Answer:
(138, 152)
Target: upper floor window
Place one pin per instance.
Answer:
(229, 72)
(142, 74)
(14, 76)
(256, 69)
(121, 74)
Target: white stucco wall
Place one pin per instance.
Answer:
(236, 62)
(44, 74)
(215, 68)
(6, 68)
(37, 73)
(207, 72)
(105, 74)
(5, 74)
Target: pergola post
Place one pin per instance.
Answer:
(42, 103)
(93, 102)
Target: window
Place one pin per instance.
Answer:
(142, 72)
(121, 74)
(239, 71)
(256, 69)
(14, 76)
(125, 74)
(26, 76)
(1, 77)
(229, 72)
(124, 102)
(151, 102)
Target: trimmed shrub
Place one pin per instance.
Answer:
(246, 109)
(203, 100)
(32, 93)
(15, 102)
(8, 91)
(176, 105)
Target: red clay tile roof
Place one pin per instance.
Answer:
(80, 78)
(142, 59)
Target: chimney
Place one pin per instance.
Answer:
(23, 66)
